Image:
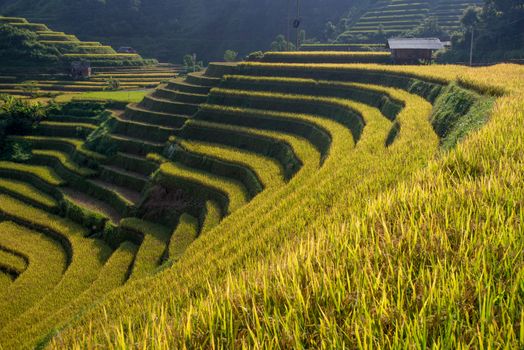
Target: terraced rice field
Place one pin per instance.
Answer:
(273, 204)
(69, 45)
(132, 72)
(397, 16)
(343, 47)
(131, 80)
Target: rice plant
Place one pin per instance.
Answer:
(399, 245)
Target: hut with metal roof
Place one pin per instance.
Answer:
(413, 50)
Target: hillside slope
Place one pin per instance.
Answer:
(169, 29)
(367, 251)
(397, 16)
(240, 206)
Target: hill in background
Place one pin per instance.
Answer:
(169, 29)
(398, 16)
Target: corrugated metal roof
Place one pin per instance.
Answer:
(415, 43)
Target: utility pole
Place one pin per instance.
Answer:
(298, 25)
(288, 25)
(471, 47)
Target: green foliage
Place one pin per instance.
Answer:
(170, 29)
(429, 28)
(230, 56)
(470, 18)
(281, 44)
(330, 31)
(21, 46)
(457, 113)
(191, 64)
(112, 84)
(255, 56)
(498, 33)
(16, 151)
(98, 141)
(18, 116)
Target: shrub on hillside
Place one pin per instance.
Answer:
(255, 56)
(17, 116)
(112, 84)
(281, 44)
(22, 45)
(191, 64)
(230, 56)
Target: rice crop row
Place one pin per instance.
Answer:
(495, 80)
(377, 271)
(210, 217)
(24, 191)
(152, 249)
(63, 144)
(47, 264)
(185, 233)
(260, 219)
(267, 170)
(231, 194)
(198, 331)
(50, 156)
(113, 274)
(84, 258)
(216, 165)
(327, 57)
(15, 261)
(43, 173)
(289, 150)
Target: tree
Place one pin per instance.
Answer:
(18, 116)
(497, 30)
(112, 84)
(230, 56)
(191, 64)
(470, 18)
(330, 31)
(507, 6)
(281, 44)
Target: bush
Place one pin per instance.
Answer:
(112, 84)
(16, 151)
(230, 56)
(281, 44)
(21, 45)
(18, 116)
(255, 56)
(191, 64)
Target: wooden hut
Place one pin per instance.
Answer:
(413, 50)
(80, 70)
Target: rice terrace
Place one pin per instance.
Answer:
(295, 174)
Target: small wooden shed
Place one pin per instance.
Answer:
(413, 50)
(80, 70)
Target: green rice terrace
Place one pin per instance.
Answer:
(397, 16)
(130, 71)
(305, 200)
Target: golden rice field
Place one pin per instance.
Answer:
(274, 205)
